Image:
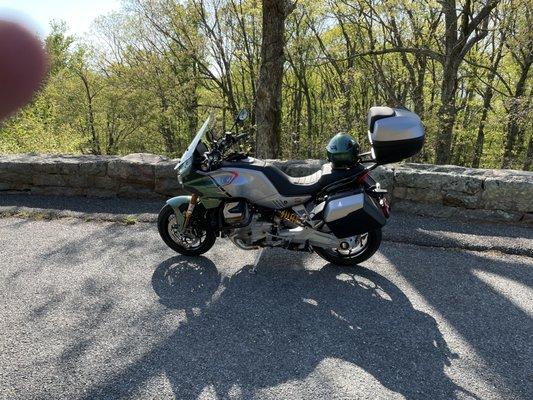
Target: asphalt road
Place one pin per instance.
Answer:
(104, 310)
(401, 228)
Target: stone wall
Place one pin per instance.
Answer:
(134, 176)
(445, 191)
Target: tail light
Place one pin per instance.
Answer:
(385, 207)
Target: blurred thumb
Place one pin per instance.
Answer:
(22, 66)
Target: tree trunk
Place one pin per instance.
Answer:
(462, 32)
(447, 115)
(95, 143)
(487, 99)
(528, 163)
(295, 139)
(514, 125)
(191, 110)
(418, 90)
(192, 104)
(480, 140)
(268, 98)
(165, 127)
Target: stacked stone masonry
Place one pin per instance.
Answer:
(444, 191)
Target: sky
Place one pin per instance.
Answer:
(36, 14)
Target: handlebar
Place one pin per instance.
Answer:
(230, 140)
(216, 155)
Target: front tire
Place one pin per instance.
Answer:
(199, 238)
(337, 257)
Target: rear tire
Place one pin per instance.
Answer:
(164, 225)
(335, 257)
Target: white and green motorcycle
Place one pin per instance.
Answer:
(338, 211)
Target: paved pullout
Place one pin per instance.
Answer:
(104, 310)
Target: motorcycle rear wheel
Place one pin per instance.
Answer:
(198, 240)
(338, 257)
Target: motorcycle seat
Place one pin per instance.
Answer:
(298, 186)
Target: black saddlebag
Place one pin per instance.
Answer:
(352, 213)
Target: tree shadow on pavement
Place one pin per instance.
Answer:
(483, 296)
(259, 331)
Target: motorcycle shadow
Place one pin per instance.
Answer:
(281, 325)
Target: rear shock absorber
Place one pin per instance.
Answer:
(288, 215)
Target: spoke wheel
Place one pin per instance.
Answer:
(191, 239)
(195, 240)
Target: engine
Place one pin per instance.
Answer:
(250, 228)
(244, 225)
(250, 236)
(236, 213)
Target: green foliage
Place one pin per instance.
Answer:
(149, 74)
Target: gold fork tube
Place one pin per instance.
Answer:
(190, 209)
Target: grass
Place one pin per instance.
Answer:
(129, 220)
(35, 215)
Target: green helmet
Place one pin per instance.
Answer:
(342, 150)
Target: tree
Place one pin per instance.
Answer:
(268, 97)
(496, 52)
(148, 73)
(520, 46)
(461, 32)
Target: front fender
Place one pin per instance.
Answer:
(176, 203)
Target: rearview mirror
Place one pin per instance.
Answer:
(242, 116)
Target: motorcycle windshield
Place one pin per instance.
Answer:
(185, 164)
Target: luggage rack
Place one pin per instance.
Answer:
(369, 160)
(357, 179)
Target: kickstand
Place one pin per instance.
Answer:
(256, 261)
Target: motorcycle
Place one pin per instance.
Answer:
(337, 212)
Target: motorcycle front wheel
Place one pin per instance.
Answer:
(367, 246)
(196, 240)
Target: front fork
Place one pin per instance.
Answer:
(188, 214)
